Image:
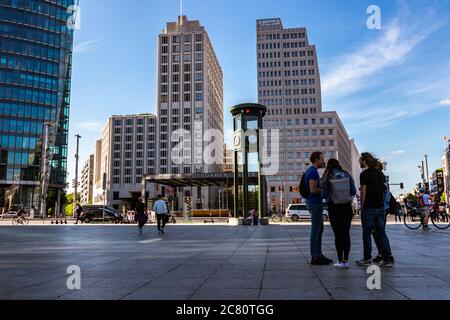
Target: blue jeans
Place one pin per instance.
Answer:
(316, 211)
(374, 219)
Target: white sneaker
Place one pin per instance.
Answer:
(340, 265)
(346, 265)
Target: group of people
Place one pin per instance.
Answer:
(160, 209)
(337, 189)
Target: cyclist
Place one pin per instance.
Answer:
(425, 206)
(21, 215)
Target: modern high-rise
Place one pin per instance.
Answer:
(190, 98)
(35, 71)
(289, 85)
(126, 153)
(87, 181)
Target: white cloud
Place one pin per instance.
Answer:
(89, 126)
(351, 71)
(85, 46)
(398, 152)
(445, 102)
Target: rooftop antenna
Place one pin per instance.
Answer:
(181, 8)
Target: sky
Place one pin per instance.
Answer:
(390, 86)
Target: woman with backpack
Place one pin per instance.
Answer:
(338, 189)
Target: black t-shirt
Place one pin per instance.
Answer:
(375, 183)
(140, 208)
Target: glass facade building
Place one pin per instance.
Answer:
(36, 43)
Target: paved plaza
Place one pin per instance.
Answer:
(203, 262)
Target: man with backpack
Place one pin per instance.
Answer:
(311, 191)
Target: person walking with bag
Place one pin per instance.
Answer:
(338, 189)
(161, 213)
(141, 216)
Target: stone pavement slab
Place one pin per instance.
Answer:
(212, 262)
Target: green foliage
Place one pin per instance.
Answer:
(412, 197)
(443, 198)
(69, 203)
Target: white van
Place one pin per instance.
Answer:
(300, 211)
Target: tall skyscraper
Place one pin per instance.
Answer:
(289, 85)
(35, 71)
(190, 97)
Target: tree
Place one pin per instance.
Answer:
(69, 203)
(51, 200)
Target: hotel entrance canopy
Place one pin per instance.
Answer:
(222, 179)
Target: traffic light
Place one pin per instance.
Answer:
(402, 186)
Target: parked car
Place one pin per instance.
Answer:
(300, 211)
(95, 213)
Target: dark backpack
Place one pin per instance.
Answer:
(303, 190)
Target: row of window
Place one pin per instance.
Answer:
(20, 158)
(130, 130)
(139, 138)
(29, 34)
(287, 83)
(287, 73)
(186, 48)
(19, 174)
(285, 45)
(29, 80)
(129, 155)
(286, 36)
(30, 65)
(19, 126)
(290, 102)
(128, 163)
(28, 49)
(186, 38)
(286, 54)
(306, 132)
(286, 64)
(186, 87)
(28, 95)
(139, 122)
(186, 97)
(296, 122)
(27, 111)
(41, 7)
(186, 77)
(287, 92)
(18, 142)
(176, 67)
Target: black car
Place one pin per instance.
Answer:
(95, 213)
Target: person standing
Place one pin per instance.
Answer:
(161, 213)
(387, 210)
(425, 206)
(140, 217)
(338, 189)
(373, 215)
(315, 207)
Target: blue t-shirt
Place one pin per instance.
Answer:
(312, 174)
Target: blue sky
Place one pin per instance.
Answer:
(391, 87)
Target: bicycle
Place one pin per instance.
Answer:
(279, 218)
(20, 220)
(413, 218)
